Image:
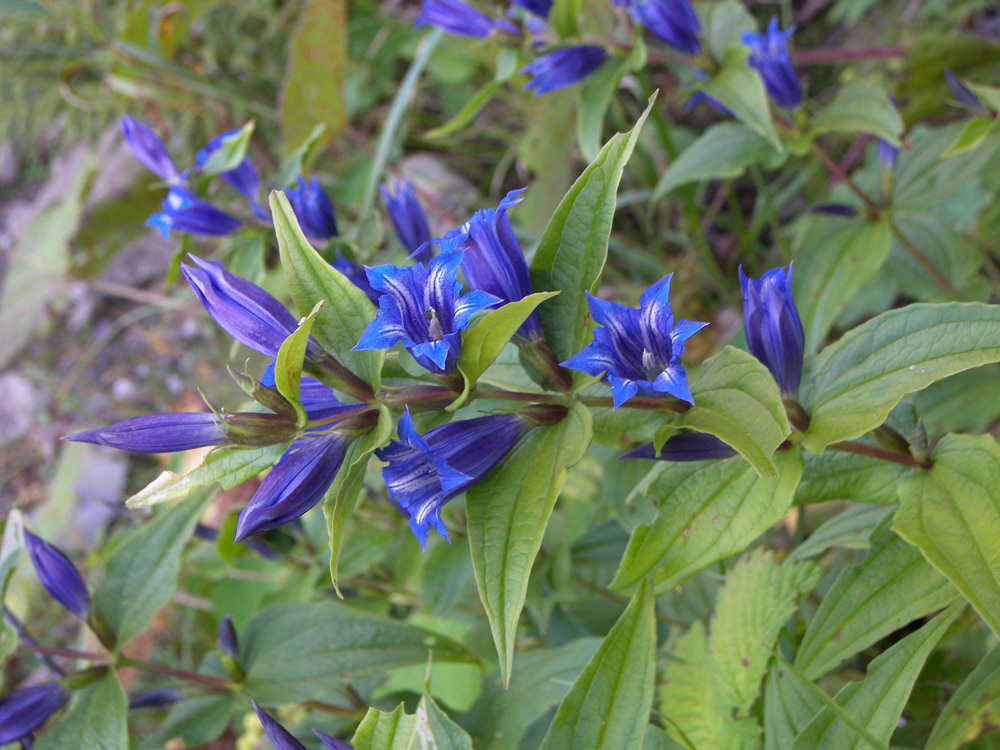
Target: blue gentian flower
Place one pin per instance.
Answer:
(493, 261)
(963, 93)
(408, 219)
(671, 21)
(313, 209)
(426, 471)
(58, 575)
(769, 57)
(455, 17)
(242, 309)
(229, 644)
(773, 328)
(421, 307)
(296, 483)
(639, 349)
(684, 446)
(157, 433)
(243, 178)
(332, 743)
(183, 212)
(540, 8)
(280, 737)
(562, 68)
(27, 708)
(887, 154)
(155, 698)
(148, 149)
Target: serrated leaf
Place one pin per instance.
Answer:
(346, 311)
(574, 246)
(294, 652)
(507, 513)
(381, 730)
(892, 587)
(707, 512)
(876, 704)
(837, 475)
(341, 498)
(857, 380)
(740, 90)
(140, 574)
(972, 709)
(96, 719)
(484, 341)
(834, 258)
(850, 529)
(723, 151)
(973, 133)
(952, 515)
(227, 466)
(608, 706)
(753, 605)
(230, 153)
(860, 107)
(737, 400)
(288, 363)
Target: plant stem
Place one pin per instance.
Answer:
(881, 453)
(182, 674)
(922, 259)
(326, 708)
(835, 169)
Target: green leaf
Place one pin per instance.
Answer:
(196, 721)
(230, 153)
(973, 708)
(834, 258)
(740, 90)
(953, 254)
(608, 705)
(790, 703)
(723, 151)
(851, 529)
(507, 513)
(596, 93)
(967, 402)
(96, 719)
(973, 133)
(737, 400)
(837, 475)
(565, 17)
(708, 511)
(227, 466)
(860, 107)
(753, 605)
(445, 733)
(380, 730)
(483, 342)
(140, 574)
(876, 704)
(346, 311)
(892, 587)
(341, 498)
(313, 90)
(574, 245)
(952, 515)
(288, 363)
(294, 164)
(857, 380)
(467, 113)
(294, 652)
(725, 26)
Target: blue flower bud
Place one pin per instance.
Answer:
(296, 483)
(887, 154)
(243, 178)
(26, 709)
(963, 93)
(421, 308)
(455, 17)
(242, 309)
(157, 433)
(834, 209)
(183, 212)
(639, 349)
(773, 328)
(671, 21)
(311, 206)
(684, 446)
(562, 68)
(148, 149)
(426, 471)
(229, 644)
(769, 57)
(408, 219)
(58, 575)
(280, 737)
(155, 698)
(540, 8)
(332, 743)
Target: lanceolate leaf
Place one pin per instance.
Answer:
(507, 514)
(708, 511)
(288, 363)
(739, 89)
(973, 708)
(860, 107)
(737, 400)
(346, 309)
(96, 719)
(608, 706)
(892, 587)
(856, 381)
(574, 246)
(952, 515)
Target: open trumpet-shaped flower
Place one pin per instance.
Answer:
(769, 57)
(27, 708)
(562, 68)
(58, 575)
(408, 219)
(640, 350)
(773, 328)
(183, 212)
(422, 308)
(426, 471)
